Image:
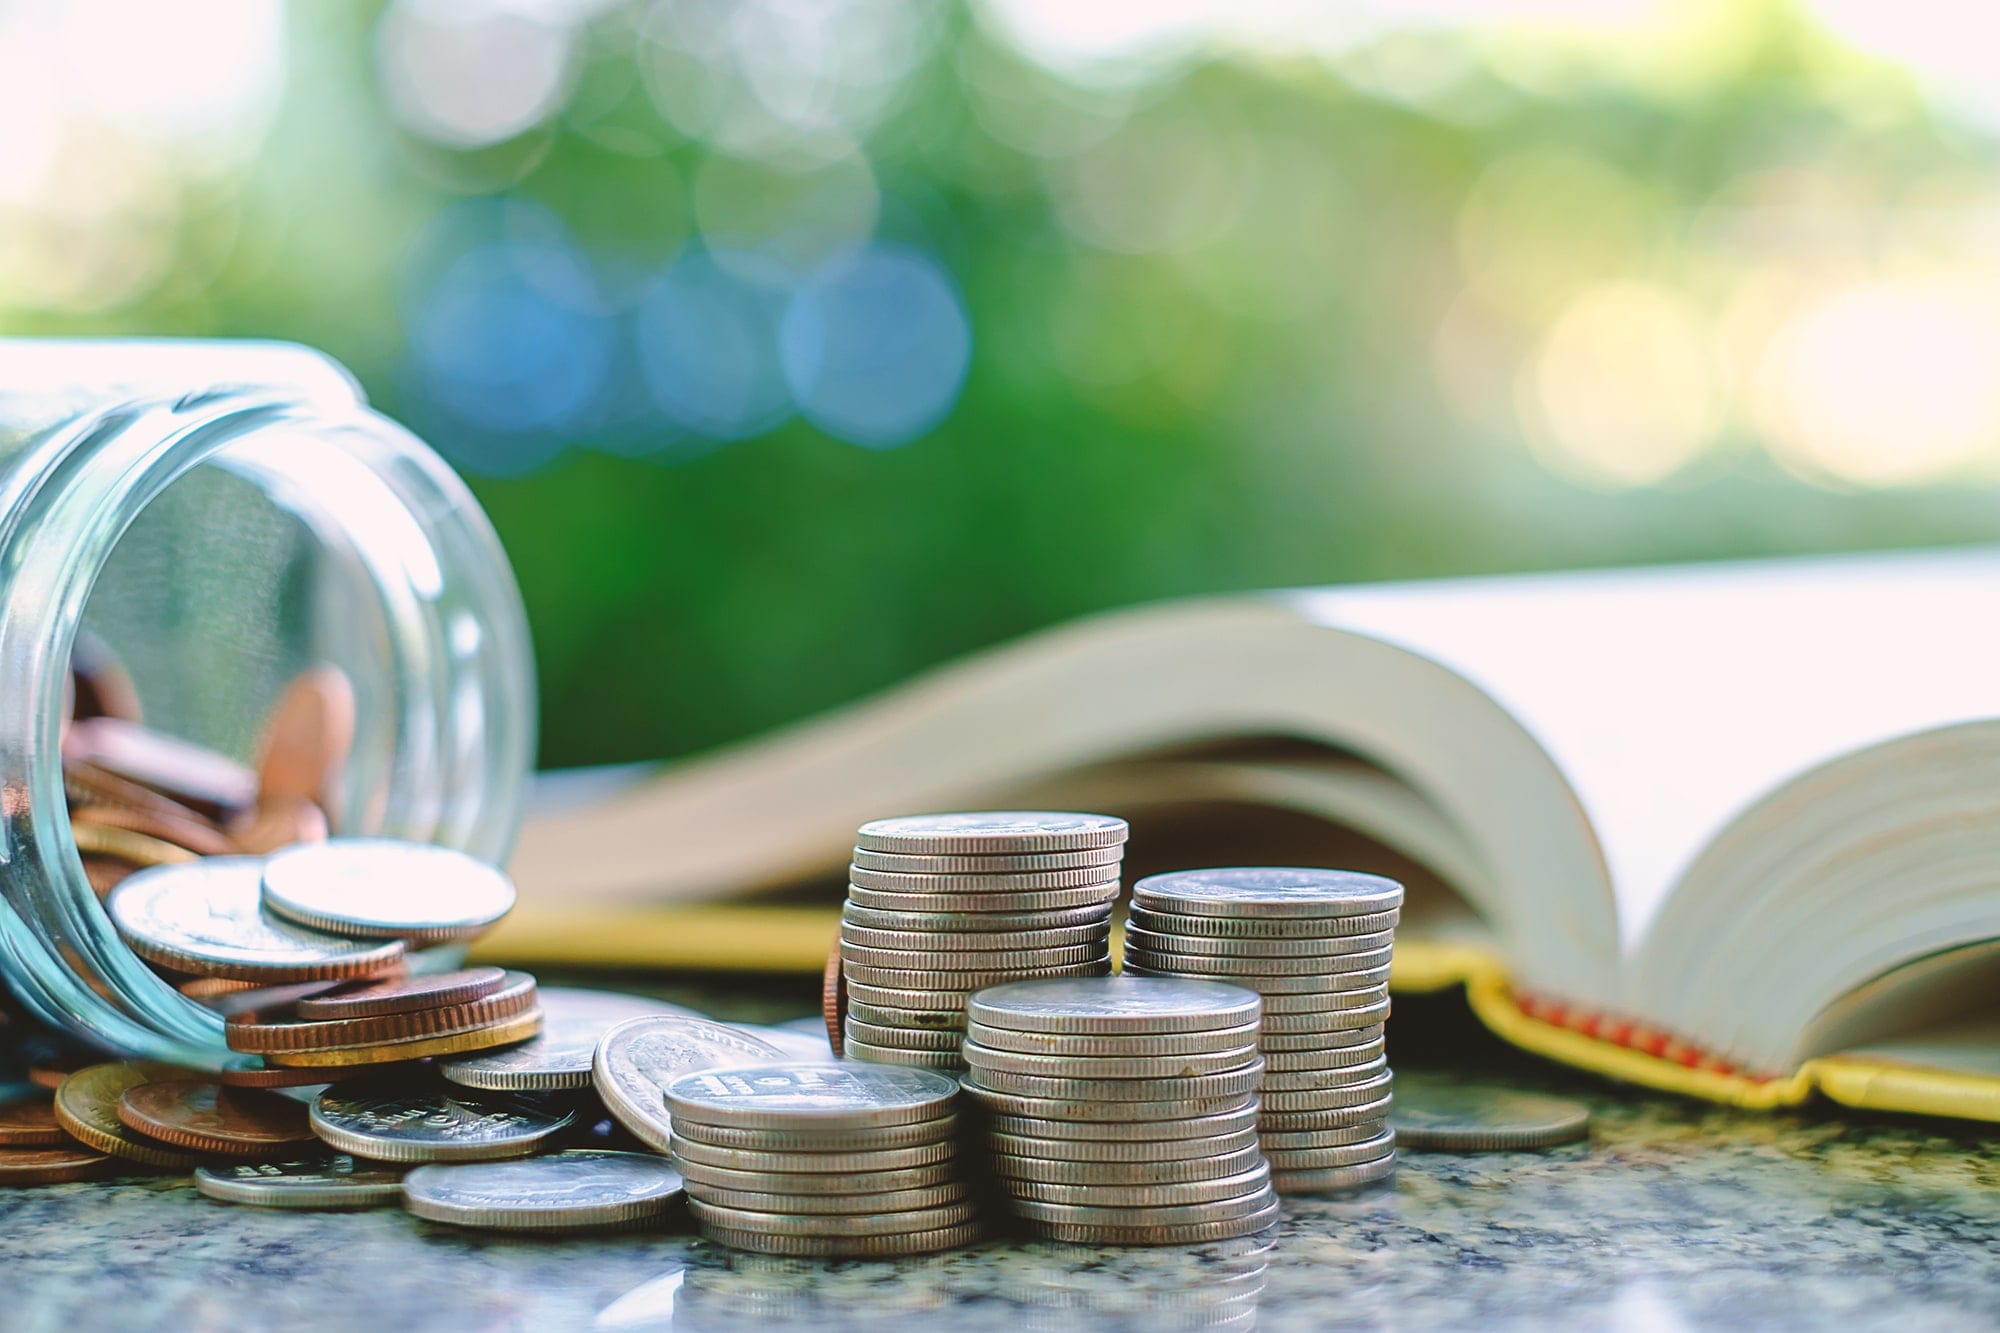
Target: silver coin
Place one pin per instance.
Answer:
(843, 1096)
(886, 1201)
(1321, 1158)
(1147, 1194)
(933, 962)
(381, 888)
(987, 865)
(1089, 1044)
(970, 980)
(973, 923)
(1340, 1117)
(1188, 1233)
(1329, 947)
(1111, 1005)
(700, 1176)
(844, 1247)
(918, 943)
(1098, 1129)
(1145, 1150)
(992, 833)
(1290, 1010)
(1330, 1099)
(1091, 897)
(1054, 1109)
(1332, 1057)
(636, 1059)
(945, 1002)
(1027, 880)
(1334, 1179)
(1310, 1080)
(793, 1044)
(208, 915)
(330, 1183)
(1108, 1066)
(1325, 1040)
(1232, 1083)
(1159, 1215)
(1234, 965)
(798, 1160)
(1303, 1028)
(1447, 1115)
(901, 1055)
(823, 1224)
(1264, 984)
(1268, 891)
(1305, 1140)
(389, 1122)
(565, 1191)
(1261, 927)
(573, 1022)
(1129, 1175)
(950, 1022)
(815, 1142)
(912, 1039)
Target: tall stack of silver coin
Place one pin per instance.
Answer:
(1316, 944)
(833, 1160)
(939, 906)
(1122, 1110)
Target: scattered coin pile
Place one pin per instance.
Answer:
(849, 1160)
(1123, 1110)
(1316, 944)
(939, 906)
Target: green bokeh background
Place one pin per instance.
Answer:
(1134, 426)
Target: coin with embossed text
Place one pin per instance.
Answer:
(832, 1096)
(636, 1060)
(573, 1022)
(390, 1121)
(207, 918)
(566, 1191)
(331, 1183)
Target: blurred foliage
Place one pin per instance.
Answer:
(1252, 320)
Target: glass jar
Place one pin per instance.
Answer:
(221, 516)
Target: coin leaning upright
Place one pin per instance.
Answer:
(635, 1061)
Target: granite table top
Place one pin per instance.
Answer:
(1674, 1215)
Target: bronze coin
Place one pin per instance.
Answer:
(196, 835)
(86, 783)
(50, 1166)
(105, 873)
(307, 737)
(87, 1107)
(374, 999)
(259, 1037)
(135, 849)
(206, 1117)
(31, 1124)
(279, 822)
(254, 1002)
(267, 1076)
(212, 988)
(50, 1071)
(507, 1032)
(833, 998)
(100, 686)
(201, 779)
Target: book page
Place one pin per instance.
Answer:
(1671, 699)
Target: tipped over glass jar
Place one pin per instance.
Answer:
(196, 528)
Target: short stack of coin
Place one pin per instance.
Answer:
(1123, 1110)
(939, 906)
(1316, 944)
(835, 1160)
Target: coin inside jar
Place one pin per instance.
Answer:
(207, 918)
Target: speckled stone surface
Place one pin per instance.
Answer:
(1674, 1215)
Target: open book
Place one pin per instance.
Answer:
(1733, 830)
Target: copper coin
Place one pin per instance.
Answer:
(833, 998)
(204, 1116)
(196, 835)
(212, 988)
(31, 1124)
(201, 779)
(401, 997)
(87, 1107)
(254, 1002)
(251, 1034)
(105, 873)
(279, 822)
(135, 849)
(507, 1032)
(50, 1072)
(307, 737)
(87, 783)
(100, 686)
(50, 1166)
(248, 1075)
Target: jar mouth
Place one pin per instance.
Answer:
(387, 535)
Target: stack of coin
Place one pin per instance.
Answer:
(304, 953)
(1123, 1110)
(849, 1160)
(1316, 944)
(939, 906)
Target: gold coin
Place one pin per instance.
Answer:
(87, 1109)
(123, 844)
(457, 1043)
